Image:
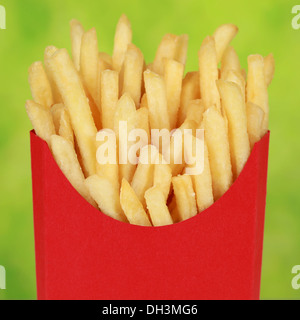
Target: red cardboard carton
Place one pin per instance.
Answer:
(83, 254)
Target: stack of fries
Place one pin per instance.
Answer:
(76, 102)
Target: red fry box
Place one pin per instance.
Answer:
(83, 254)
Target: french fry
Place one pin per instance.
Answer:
(223, 36)
(107, 167)
(133, 73)
(65, 127)
(143, 123)
(195, 111)
(75, 100)
(162, 175)
(66, 158)
(40, 85)
(125, 112)
(89, 59)
(173, 209)
(208, 73)
(190, 91)
(157, 101)
(106, 197)
(255, 117)
(123, 37)
(257, 91)
(185, 196)
(203, 185)
(77, 32)
(177, 163)
(173, 75)
(49, 51)
(216, 137)
(56, 112)
(144, 101)
(235, 108)
(236, 77)
(230, 61)
(109, 97)
(143, 176)
(158, 210)
(269, 68)
(182, 47)
(107, 59)
(166, 50)
(132, 206)
(41, 119)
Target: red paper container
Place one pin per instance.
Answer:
(83, 254)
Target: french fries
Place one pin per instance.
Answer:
(41, 119)
(158, 210)
(173, 75)
(119, 127)
(190, 91)
(72, 92)
(49, 51)
(89, 58)
(143, 176)
(255, 117)
(257, 91)
(133, 73)
(40, 86)
(223, 36)
(235, 108)
(126, 113)
(157, 101)
(106, 196)
(109, 97)
(203, 185)
(166, 50)
(208, 73)
(216, 137)
(66, 158)
(65, 127)
(123, 38)
(162, 175)
(269, 68)
(132, 206)
(77, 32)
(230, 61)
(185, 196)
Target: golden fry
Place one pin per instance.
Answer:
(234, 104)
(75, 100)
(106, 196)
(216, 137)
(41, 119)
(66, 158)
(123, 37)
(223, 36)
(157, 207)
(132, 206)
(257, 90)
(173, 81)
(133, 73)
(208, 73)
(255, 117)
(39, 84)
(77, 32)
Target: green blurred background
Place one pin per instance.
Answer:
(265, 26)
